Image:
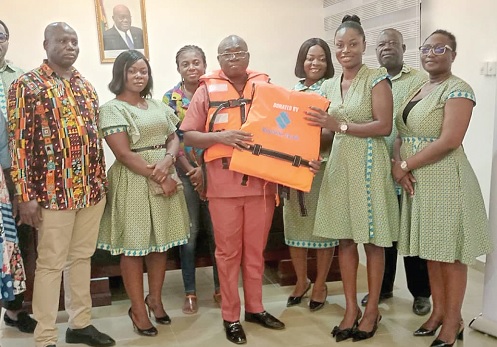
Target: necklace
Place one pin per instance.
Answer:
(142, 104)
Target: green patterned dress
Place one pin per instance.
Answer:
(135, 221)
(298, 228)
(446, 219)
(357, 199)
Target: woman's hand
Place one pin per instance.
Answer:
(197, 178)
(320, 118)
(161, 169)
(397, 172)
(407, 182)
(169, 186)
(315, 166)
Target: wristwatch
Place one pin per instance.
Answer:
(403, 166)
(172, 156)
(343, 128)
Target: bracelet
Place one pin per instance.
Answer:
(172, 156)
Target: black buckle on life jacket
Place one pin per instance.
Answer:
(297, 161)
(224, 161)
(257, 149)
(244, 180)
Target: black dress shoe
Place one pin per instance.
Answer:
(421, 306)
(317, 305)
(234, 332)
(150, 332)
(425, 332)
(265, 319)
(295, 300)
(459, 336)
(383, 296)
(24, 322)
(89, 336)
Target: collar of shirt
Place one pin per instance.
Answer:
(49, 72)
(300, 87)
(405, 69)
(124, 33)
(8, 66)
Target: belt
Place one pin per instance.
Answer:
(149, 148)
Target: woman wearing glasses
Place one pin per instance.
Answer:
(443, 218)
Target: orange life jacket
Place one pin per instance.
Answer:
(227, 108)
(283, 141)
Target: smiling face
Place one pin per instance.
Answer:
(349, 47)
(437, 64)
(191, 66)
(137, 76)
(390, 50)
(315, 65)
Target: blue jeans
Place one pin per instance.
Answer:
(198, 211)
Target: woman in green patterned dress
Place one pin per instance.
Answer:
(313, 66)
(357, 203)
(145, 215)
(443, 218)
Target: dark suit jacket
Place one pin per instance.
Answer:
(112, 39)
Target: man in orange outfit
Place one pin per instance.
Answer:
(241, 213)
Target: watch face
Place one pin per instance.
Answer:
(344, 127)
(403, 165)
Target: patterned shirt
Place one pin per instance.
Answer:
(316, 87)
(57, 154)
(177, 100)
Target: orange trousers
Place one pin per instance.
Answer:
(241, 227)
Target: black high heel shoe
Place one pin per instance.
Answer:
(426, 332)
(165, 320)
(316, 305)
(344, 334)
(459, 336)
(144, 332)
(359, 335)
(295, 300)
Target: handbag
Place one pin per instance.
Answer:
(156, 189)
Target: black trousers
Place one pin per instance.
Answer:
(416, 269)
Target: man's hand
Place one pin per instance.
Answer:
(235, 138)
(30, 213)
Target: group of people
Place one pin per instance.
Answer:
(386, 126)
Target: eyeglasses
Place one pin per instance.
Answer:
(437, 50)
(234, 55)
(4, 37)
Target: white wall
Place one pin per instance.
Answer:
(273, 30)
(473, 23)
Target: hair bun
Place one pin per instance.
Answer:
(351, 18)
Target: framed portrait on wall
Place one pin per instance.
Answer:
(121, 26)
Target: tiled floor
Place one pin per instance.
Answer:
(303, 327)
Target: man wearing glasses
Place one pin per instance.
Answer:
(14, 315)
(390, 49)
(241, 207)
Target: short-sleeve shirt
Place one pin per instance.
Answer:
(221, 183)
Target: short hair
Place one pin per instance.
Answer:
(191, 48)
(304, 49)
(5, 26)
(353, 22)
(119, 72)
(449, 35)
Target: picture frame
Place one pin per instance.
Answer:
(121, 25)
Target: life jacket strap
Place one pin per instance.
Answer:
(296, 160)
